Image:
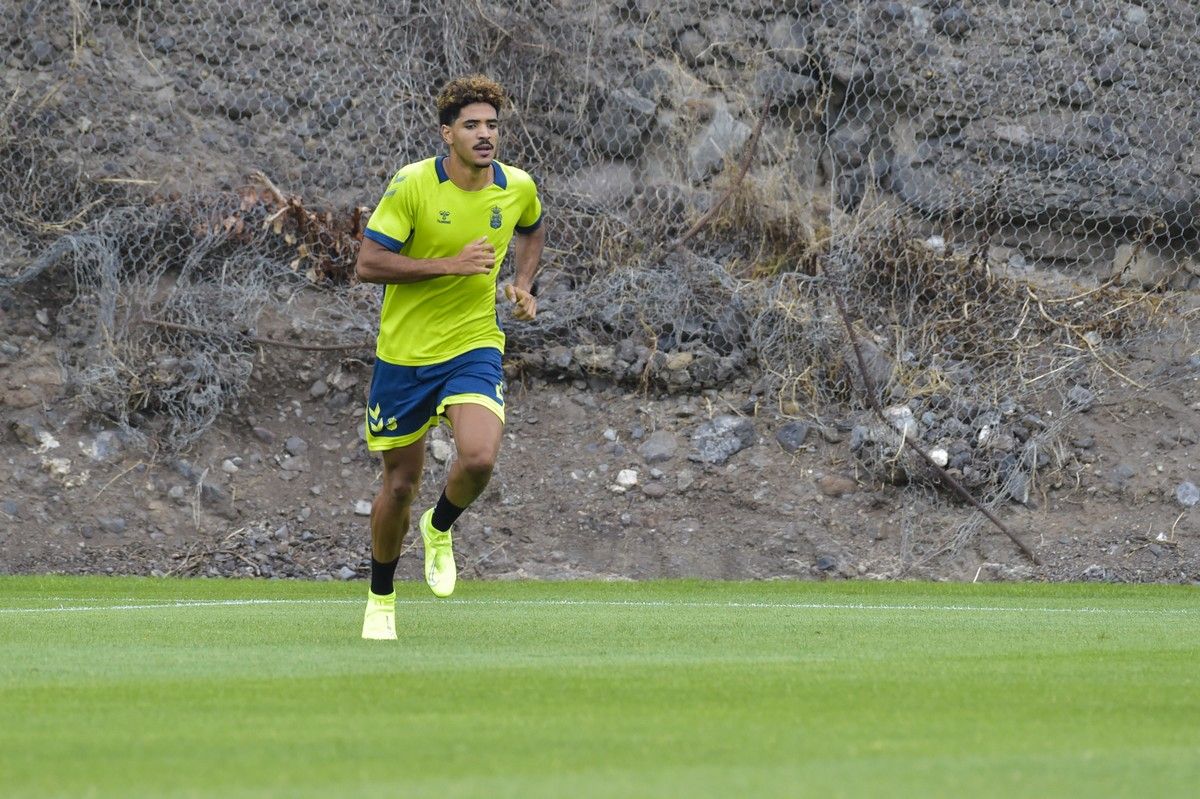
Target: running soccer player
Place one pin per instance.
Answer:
(436, 241)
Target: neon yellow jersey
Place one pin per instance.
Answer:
(424, 215)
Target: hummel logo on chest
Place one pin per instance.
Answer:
(444, 217)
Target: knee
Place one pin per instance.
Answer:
(478, 464)
(401, 488)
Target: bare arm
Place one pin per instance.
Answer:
(378, 264)
(528, 257)
(529, 248)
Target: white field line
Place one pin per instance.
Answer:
(183, 603)
(206, 603)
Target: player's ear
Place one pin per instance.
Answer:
(446, 134)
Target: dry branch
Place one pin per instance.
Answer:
(743, 168)
(873, 400)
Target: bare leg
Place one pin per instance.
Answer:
(477, 433)
(391, 509)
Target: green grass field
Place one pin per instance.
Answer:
(157, 688)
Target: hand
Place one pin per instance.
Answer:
(526, 303)
(477, 258)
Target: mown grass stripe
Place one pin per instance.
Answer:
(200, 603)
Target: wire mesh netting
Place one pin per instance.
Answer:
(970, 209)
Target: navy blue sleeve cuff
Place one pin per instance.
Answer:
(383, 241)
(533, 227)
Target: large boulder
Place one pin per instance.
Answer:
(722, 139)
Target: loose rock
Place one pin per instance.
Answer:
(441, 450)
(655, 490)
(717, 441)
(1081, 398)
(835, 485)
(659, 447)
(105, 447)
(115, 525)
(294, 464)
(792, 436)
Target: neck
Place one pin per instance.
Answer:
(468, 177)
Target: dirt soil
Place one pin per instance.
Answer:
(279, 486)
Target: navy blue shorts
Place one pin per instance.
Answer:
(405, 401)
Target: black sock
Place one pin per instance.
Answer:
(445, 514)
(383, 576)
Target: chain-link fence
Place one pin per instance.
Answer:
(982, 191)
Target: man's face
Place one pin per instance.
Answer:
(473, 136)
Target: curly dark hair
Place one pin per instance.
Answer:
(466, 90)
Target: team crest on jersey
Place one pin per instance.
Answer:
(497, 218)
(444, 217)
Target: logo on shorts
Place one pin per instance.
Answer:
(375, 420)
(497, 217)
(444, 217)
(500, 392)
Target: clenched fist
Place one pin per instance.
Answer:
(524, 303)
(477, 258)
